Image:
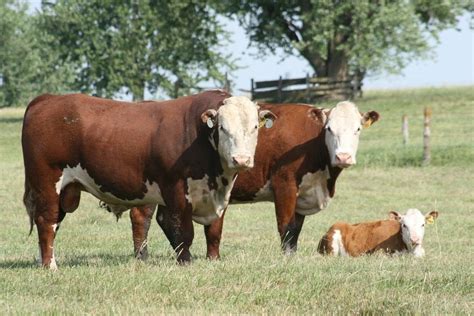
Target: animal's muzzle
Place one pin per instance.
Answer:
(242, 161)
(344, 160)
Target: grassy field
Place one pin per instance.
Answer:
(97, 274)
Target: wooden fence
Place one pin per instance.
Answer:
(308, 89)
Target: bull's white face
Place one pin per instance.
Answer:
(343, 127)
(238, 123)
(413, 226)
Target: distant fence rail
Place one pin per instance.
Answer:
(308, 89)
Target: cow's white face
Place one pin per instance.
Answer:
(343, 127)
(413, 226)
(237, 122)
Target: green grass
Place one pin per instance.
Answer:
(99, 276)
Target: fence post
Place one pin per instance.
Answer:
(426, 137)
(308, 97)
(251, 89)
(405, 129)
(279, 90)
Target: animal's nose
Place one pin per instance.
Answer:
(415, 241)
(343, 160)
(241, 161)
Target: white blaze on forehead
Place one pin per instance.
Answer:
(237, 119)
(343, 126)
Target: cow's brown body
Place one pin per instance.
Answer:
(123, 147)
(364, 238)
(292, 149)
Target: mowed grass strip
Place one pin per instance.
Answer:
(98, 275)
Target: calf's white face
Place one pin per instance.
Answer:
(237, 122)
(343, 126)
(413, 226)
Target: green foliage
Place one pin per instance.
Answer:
(137, 45)
(342, 37)
(98, 274)
(28, 66)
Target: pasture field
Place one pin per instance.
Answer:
(98, 275)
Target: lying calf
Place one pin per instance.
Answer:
(401, 233)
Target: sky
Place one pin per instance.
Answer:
(452, 64)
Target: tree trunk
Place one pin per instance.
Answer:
(138, 92)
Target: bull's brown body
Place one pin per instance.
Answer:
(122, 146)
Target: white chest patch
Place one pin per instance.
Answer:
(313, 193)
(208, 204)
(337, 245)
(264, 194)
(80, 175)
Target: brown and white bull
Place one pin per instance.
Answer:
(297, 164)
(399, 234)
(182, 153)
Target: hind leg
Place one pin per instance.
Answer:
(44, 210)
(141, 219)
(47, 210)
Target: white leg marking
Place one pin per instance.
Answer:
(52, 265)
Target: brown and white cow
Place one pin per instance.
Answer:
(182, 153)
(401, 233)
(296, 166)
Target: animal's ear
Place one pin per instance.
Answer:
(394, 216)
(319, 114)
(210, 118)
(266, 118)
(369, 118)
(431, 216)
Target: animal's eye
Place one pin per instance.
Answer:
(423, 225)
(329, 129)
(221, 128)
(256, 126)
(404, 226)
(358, 129)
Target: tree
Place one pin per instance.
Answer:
(27, 64)
(169, 46)
(340, 38)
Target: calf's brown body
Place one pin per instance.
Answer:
(363, 238)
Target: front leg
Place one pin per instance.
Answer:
(213, 234)
(293, 232)
(289, 226)
(178, 228)
(141, 219)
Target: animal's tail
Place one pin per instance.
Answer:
(28, 200)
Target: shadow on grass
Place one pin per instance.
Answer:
(8, 120)
(102, 260)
